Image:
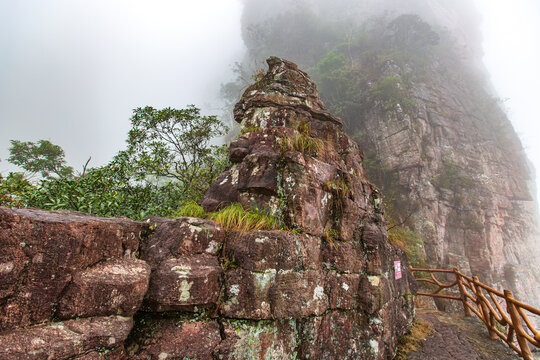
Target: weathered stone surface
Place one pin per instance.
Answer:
(105, 354)
(173, 238)
(264, 250)
(64, 340)
(40, 251)
(338, 335)
(115, 287)
(185, 284)
(257, 340)
(466, 188)
(175, 339)
(337, 274)
(247, 294)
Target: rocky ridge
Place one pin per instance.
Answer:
(462, 176)
(324, 286)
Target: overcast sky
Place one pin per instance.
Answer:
(511, 31)
(71, 71)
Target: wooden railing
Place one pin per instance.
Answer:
(504, 316)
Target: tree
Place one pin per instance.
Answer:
(42, 157)
(174, 145)
(168, 160)
(411, 32)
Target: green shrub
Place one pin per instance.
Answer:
(452, 177)
(190, 209)
(411, 243)
(389, 91)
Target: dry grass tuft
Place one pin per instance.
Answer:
(420, 330)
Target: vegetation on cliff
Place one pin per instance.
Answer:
(168, 160)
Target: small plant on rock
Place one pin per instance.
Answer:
(302, 141)
(411, 243)
(250, 129)
(190, 209)
(260, 81)
(235, 218)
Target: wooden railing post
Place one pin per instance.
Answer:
(462, 293)
(516, 324)
(487, 318)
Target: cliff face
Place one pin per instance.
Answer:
(412, 91)
(463, 178)
(327, 285)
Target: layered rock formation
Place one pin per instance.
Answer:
(461, 176)
(324, 286)
(409, 82)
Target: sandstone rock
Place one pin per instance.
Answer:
(173, 238)
(115, 287)
(468, 187)
(247, 294)
(265, 250)
(40, 251)
(64, 340)
(321, 287)
(338, 335)
(336, 277)
(105, 354)
(257, 340)
(185, 284)
(175, 339)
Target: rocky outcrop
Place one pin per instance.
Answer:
(412, 89)
(325, 285)
(334, 275)
(462, 177)
(59, 265)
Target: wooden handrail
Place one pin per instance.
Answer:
(512, 325)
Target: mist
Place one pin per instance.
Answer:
(72, 71)
(511, 45)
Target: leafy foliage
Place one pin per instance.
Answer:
(175, 144)
(409, 31)
(389, 90)
(137, 183)
(14, 190)
(42, 157)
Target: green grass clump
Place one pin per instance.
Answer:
(338, 187)
(250, 129)
(411, 243)
(303, 143)
(190, 209)
(235, 218)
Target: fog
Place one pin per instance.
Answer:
(71, 71)
(511, 33)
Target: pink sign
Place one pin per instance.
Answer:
(397, 269)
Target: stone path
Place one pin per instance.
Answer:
(456, 337)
